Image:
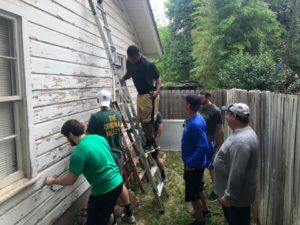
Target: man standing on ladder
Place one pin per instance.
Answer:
(107, 123)
(146, 80)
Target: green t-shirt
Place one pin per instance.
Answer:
(107, 123)
(93, 159)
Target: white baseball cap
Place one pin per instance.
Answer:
(104, 98)
(240, 109)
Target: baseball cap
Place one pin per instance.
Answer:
(193, 100)
(240, 109)
(105, 98)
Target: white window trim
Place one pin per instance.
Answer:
(26, 156)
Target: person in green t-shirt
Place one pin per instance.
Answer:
(107, 123)
(93, 159)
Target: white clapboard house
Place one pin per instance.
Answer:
(52, 65)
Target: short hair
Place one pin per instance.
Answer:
(241, 119)
(132, 50)
(205, 93)
(72, 126)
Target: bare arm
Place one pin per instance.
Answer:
(158, 132)
(125, 77)
(219, 136)
(65, 180)
(158, 85)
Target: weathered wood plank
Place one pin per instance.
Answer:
(49, 128)
(289, 135)
(46, 144)
(53, 156)
(43, 98)
(52, 82)
(43, 114)
(53, 67)
(37, 199)
(48, 51)
(43, 34)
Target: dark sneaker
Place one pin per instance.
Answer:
(164, 179)
(128, 219)
(213, 196)
(206, 213)
(149, 148)
(196, 222)
(156, 146)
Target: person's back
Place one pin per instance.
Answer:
(93, 159)
(107, 123)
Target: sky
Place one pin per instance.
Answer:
(159, 12)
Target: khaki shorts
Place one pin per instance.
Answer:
(147, 108)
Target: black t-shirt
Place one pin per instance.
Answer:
(143, 74)
(213, 117)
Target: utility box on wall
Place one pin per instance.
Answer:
(171, 136)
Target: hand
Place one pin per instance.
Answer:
(154, 94)
(122, 82)
(225, 201)
(49, 181)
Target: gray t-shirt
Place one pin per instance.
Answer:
(235, 168)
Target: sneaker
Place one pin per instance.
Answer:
(149, 148)
(206, 213)
(128, 219)
(196, 222)
(213, 196)
(164, 179)
(156, 146)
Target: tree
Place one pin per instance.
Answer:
(180, 40)
(250, 72)
(288, 14)
(164, 63)
(229, 27)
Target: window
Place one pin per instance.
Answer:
(12, 110)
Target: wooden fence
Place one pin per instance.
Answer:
(276, 119)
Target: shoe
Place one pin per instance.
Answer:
(164, 179)
(206, 213)
(128, 219)
(213, 196)
(156, 146)
(149, 148)
(196, 222)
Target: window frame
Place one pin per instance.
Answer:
(24, 141)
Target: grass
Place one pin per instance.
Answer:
(176, 209)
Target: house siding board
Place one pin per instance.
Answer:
(68, 67)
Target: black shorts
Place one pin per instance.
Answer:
(155, 154)
(101, 207)
(193, 184)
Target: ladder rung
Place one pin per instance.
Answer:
(107, 28)
(113, 48)
(136, 160)
(141, 174)
(160, 187)
(153, 170)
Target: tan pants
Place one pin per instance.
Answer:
(147, 108)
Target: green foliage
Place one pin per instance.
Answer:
(180, 40)
(228, 27)
(250, 72)
(164, 63)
